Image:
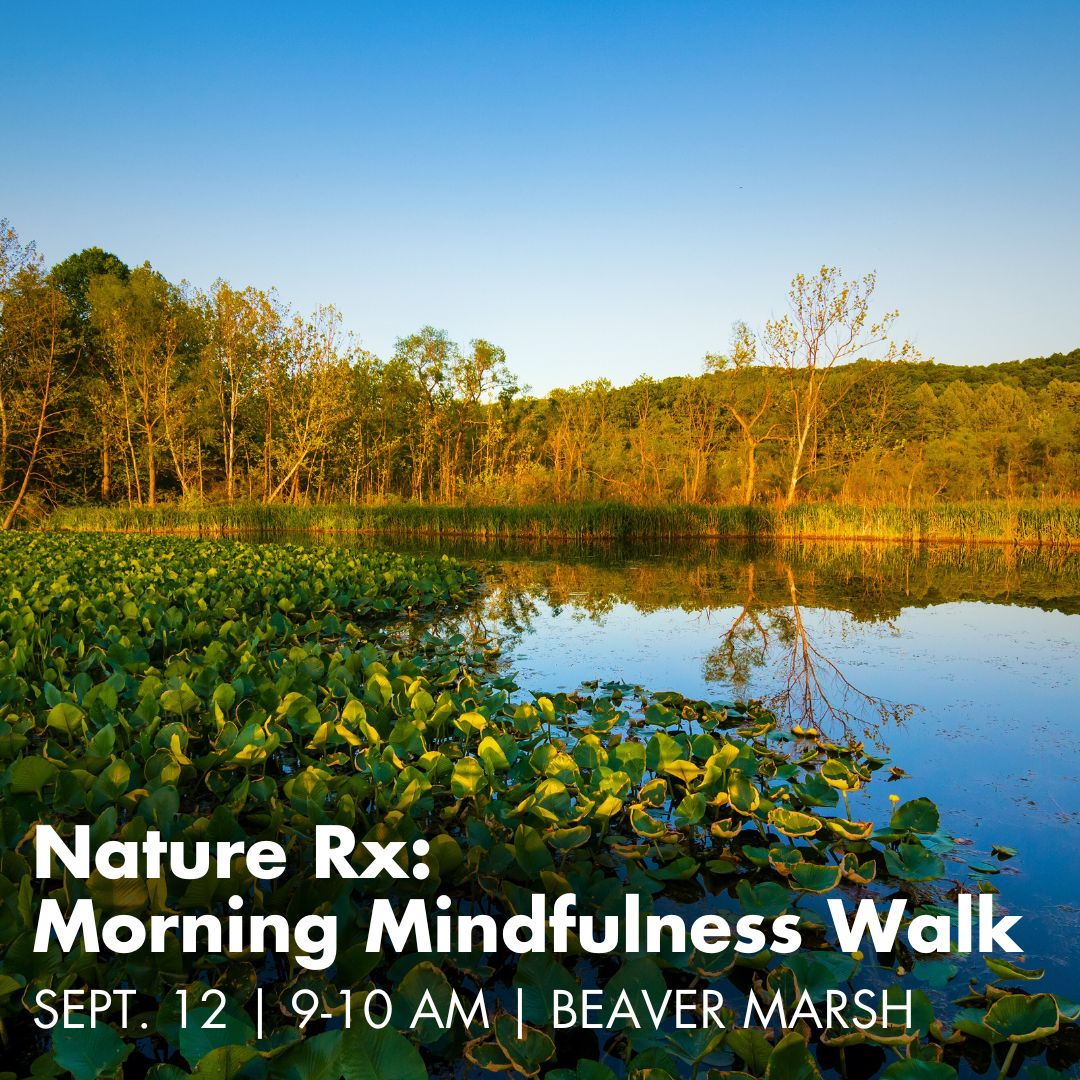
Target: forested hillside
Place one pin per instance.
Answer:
(1031, 375)
(117, 386)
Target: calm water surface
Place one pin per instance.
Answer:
(961, 666)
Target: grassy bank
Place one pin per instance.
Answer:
(998, 522)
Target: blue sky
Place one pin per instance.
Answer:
(600, 188)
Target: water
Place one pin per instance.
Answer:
(961, 666)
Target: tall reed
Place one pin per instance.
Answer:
(970, 522)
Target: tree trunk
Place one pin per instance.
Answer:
(151, 474)
(751, 473)
(105, 462)
(796, 466)
(134, 469)
(230, 458)
(39, 435)
(178, 462)
(285, 480)
(3, 442)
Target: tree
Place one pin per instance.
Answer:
(747, 399)
(393, 403)
(577, 430)
(695, 404)
(92, 387)
(311, 377)
(141, 325)
(430, 355)
(34, 341)
(829, 324)
(468, 380)
(243, 328)
(478, 378)
(644, 422)
(15, 257)
(73, 275)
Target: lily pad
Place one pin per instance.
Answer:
(1020, 1018)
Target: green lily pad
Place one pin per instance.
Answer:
(1005, 969)
(918, 815)
(67, 718)
(792, 823)
(743, 796)
(469, 778)
(768, 898)
(528, 1050)
(31, 776)
(90, 1052)
(1020, 1018)
(809, 877)
(690, 810)
(369, 1053)
(791, 1059)
(915, 1069)
(912, 862)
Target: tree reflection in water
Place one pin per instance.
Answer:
(780, 605)
(811, 690)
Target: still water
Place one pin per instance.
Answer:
(962, 666)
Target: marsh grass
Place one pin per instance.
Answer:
(997, 522)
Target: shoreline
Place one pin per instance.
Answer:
(567, 538)
(982, 524)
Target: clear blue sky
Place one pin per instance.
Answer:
(601, 188)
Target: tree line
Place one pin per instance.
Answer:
(118, 386)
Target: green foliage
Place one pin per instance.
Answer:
(604, 521)
(1031, 375)
(73, 275)
(206, 398)
(214, 690)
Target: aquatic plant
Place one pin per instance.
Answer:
(219, 691)
(966, 522)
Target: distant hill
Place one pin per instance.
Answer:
(1032, 374)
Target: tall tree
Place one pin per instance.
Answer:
(695, 403)
(141, 325)
(431, 357)
(93, 387)
(15, 257)
(747, 398)
(829, 324)
(243, 328)
(72, 276)
(311, 377)
(34, 343)
(477, 378)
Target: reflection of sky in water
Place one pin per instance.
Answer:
(994, 740)
(977, 638)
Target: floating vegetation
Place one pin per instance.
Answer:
(220, 692)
